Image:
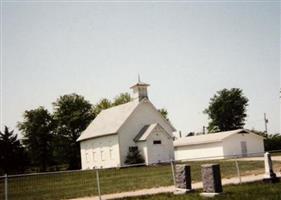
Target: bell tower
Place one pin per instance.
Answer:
(139, 90)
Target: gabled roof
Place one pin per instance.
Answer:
(208, 138)
(147, 130)
(108, 121)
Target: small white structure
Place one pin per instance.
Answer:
(219, 145)
(105, 142)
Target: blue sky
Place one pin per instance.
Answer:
(187, 51)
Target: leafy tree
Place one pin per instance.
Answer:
(134, 156)
(72, 114)
(106, 103)
(164, 113)
(37, 129)
(227, 110)
(102, 105)
(13, 157)
(118, 100)
(272, 142)
(122, 98)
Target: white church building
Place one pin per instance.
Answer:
(105, 142)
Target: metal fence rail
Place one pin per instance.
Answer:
(98, 182)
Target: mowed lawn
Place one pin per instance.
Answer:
(83, 183)
(252, 191)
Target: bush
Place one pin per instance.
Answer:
(134, 156)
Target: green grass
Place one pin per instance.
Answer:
(83, 183)
(252, 191)
(275, 154)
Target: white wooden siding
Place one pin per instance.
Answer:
(100, 152)
(199, 151)
(143, 115)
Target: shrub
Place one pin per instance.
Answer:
(134, 156)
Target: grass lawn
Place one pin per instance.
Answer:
(83, 183)
(275, 154)
(252, 191)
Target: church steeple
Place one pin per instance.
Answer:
(139, 90)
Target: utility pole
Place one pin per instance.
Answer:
(204, 130)
(265, 122)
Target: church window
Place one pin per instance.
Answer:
(133, 148)
(102, 155)
(156, 141)
(94, 156)
(110, 154)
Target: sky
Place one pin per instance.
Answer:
(185, 50)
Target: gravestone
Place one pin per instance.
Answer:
(182, 179)
(211, 178)
(269, 176)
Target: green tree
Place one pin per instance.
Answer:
(37, 129)
(13, 157)
(118, 100)
(134, 156)
(72, 114)
(227, 110)
(271, 141)
(102, 105)
(106, 103)
(122, 98)
(164, 113)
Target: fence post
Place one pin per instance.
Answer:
(173, 172)
(238, 170)
(6, 187)
(98, 183)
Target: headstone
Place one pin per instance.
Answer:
(182, 179)
(269, 176)
(211, 178)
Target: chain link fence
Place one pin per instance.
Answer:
(99, 182)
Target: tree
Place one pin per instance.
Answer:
(271, 141)
(72, 114)
(164, 113)
(37, 129)
(13, 158)
(134, 156)
(106, 103)
(122, 98)
(227, 110)
(102, 105)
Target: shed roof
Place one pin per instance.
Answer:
(208, 138)
(108, 121)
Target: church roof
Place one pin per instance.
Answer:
(108, 121)
(208, 138)
(140, 84)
